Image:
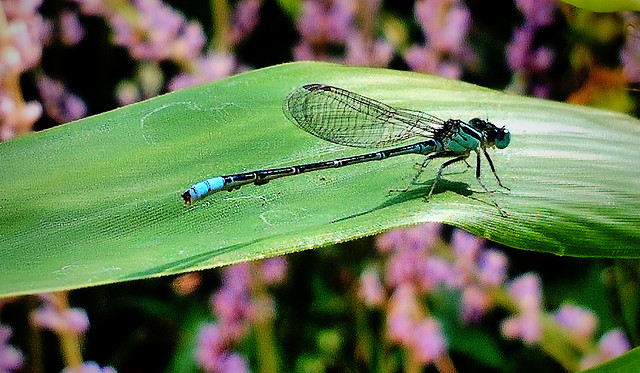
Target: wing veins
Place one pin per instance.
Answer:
(347, 118)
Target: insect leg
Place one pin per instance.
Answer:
(442, 167)
(493, 168)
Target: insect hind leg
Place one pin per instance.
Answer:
(421, 168)
(441, 170)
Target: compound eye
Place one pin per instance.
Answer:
(503, 138)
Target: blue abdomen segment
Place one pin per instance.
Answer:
(202, 189)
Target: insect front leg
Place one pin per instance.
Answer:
(478, 176)
(493, 168)
(478, 162)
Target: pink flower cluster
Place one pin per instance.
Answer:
(54, 315)
(60, 104)
(23, 36)
(410, 327)
(69, 320)
(325, 24)
(21, 39)
(523, 56)
(238, 304)
(445, 24)
(154, 32)
(526, 325)
(149, 29)
(68, 323)
(11, 358)
(417, 264)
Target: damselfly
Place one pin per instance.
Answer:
(346, 118)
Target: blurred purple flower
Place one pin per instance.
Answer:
(233, 309)
(154, 31)
(492, 268)
(417, 239)
(526, 291)
(212, 352)
(71, 29)
(20, 8)
(402, 267)
(445, 24)
(428, 343)
(326, 21)
(409, 259)
(399, 327)
(92, 7)
(245, 18)
(537, 12)
(188, 46)
(611, 345)
(273, 270)
(402, 315)
(425, 271)
(211, 344)
(324, 24)
(72, 320)
(526, 326)
(10, 357)
(359, 52)
(420, 58)
(520, 55)
(540, 90)
(60, 105)
(238, 277)
(233, 363)
(240, 303)
(519, 47)
(542, 59)
(475, 303)
(433, 272)
(386, 243)
(466, 248)
(580, 321)
(421, 238)
(522, 58)
(205, 69)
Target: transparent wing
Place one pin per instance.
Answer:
(347, 118)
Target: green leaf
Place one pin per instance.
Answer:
(626, 363)
(605, 5)
(98, 200)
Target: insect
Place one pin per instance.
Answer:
(347, 118)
